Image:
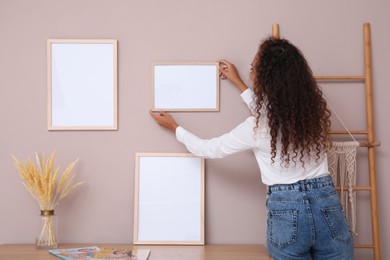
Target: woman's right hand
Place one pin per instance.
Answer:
(229, 71)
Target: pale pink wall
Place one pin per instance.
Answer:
(328, 32)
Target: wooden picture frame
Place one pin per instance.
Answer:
(185, 86)
(169, 199)
(82, 84)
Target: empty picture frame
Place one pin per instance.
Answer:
(185, 86)
(82, 84)
(169, 199)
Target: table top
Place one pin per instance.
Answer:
(160, 252)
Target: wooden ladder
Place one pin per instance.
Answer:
(371, 144)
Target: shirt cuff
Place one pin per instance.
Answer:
(247, 95)
(180, 131)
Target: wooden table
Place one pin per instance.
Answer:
(207, 252)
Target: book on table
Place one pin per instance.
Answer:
(96, 253)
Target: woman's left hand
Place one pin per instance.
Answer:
(165, 120)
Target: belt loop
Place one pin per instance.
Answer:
(302, 186)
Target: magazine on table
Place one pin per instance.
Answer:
(123, 254)
(96, 253)
(75, 253)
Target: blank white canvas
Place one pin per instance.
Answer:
(82, 84)
(169, 204)
(185, 87)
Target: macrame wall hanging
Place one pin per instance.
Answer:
(342, 168)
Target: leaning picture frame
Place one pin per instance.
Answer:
(185, 86)
(169, 199)
(82, 84)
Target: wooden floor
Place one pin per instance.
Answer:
(207, 252)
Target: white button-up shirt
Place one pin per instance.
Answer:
(244, 137)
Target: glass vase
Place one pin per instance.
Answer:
(47, 232)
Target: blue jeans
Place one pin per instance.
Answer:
(307, 221)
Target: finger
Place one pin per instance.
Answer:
(164, 114)
(222, 76)
(154, 115)
(223, 61)
(223, 71)
(224, 68)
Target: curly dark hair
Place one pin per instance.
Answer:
(296, 110)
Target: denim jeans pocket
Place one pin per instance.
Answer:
(337, 223)
(282, 227)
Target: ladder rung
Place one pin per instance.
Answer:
(364, 246)
(340, 78)
(369, 144)
(366, 188)
(341, 132)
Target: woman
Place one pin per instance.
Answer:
(288, 133)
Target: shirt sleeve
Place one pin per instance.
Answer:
(247, 97)
(239, 139)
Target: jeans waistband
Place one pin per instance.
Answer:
(303, 185)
